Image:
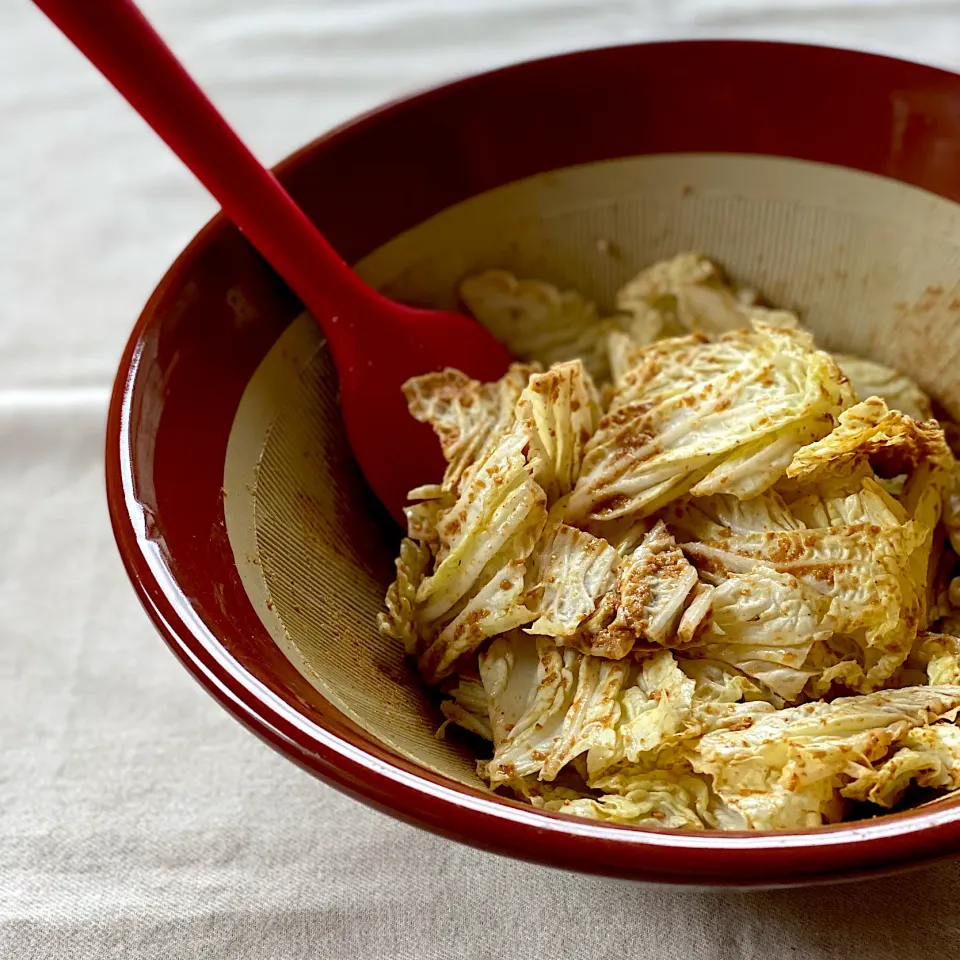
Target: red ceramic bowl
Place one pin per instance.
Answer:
(726, 108)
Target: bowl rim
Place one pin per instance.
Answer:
(415, 794)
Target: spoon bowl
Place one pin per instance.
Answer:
(395, 452)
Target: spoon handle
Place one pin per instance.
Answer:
(116, 37)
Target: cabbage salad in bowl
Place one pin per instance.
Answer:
(684, 569)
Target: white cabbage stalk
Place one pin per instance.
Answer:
(696, 615)
(870, 431)
(689, 294)
(926, 756)
(497, 505)
(538, 322)
(659, 283)
(872, 379)
(577, 569)
(399, 622)
(938, 655)
(868, 503)
(547, 706)
(557, 413)
(859, 579)
(645, 604)
(498, 606)
(477, 589)
(761, 624)
(468, 417)
(656, 709)
(468, 706)
(428, 505)
(656, 798)
(718, 682)
(786, 770)
(691, 406)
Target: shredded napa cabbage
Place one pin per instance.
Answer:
(684, 570)
(707, 417)
(787, 769)
(872, 379)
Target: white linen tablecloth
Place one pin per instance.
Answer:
(137, 820)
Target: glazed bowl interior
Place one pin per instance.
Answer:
(241, 516)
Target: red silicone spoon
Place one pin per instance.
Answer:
(376, 344)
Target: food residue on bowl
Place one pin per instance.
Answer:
(684, 569)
